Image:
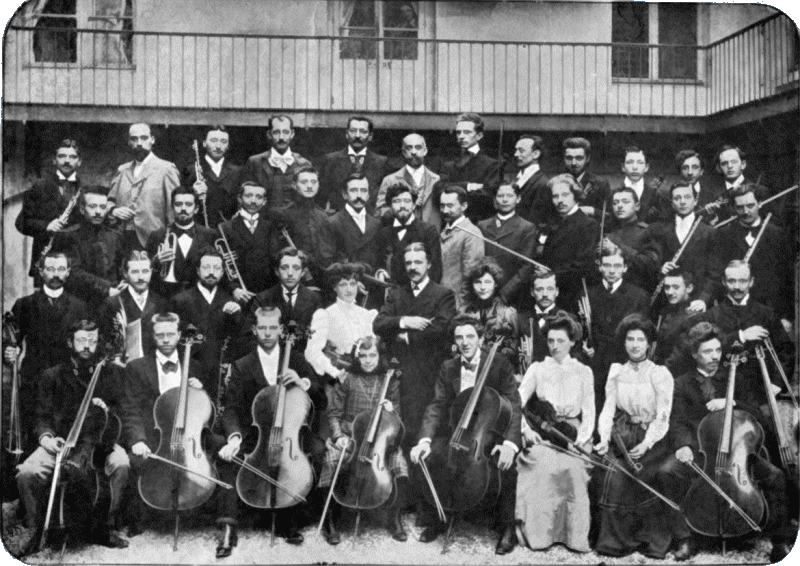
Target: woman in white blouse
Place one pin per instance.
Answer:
(552, 496)
(341, 324)
(635, 414)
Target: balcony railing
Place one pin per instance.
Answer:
(397, 75)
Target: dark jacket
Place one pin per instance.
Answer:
(535, 203)
(630, 239)
(222, 190)
(346, 242)
(111, 306)
(519, 235)
(392, 250)
(479, 169)
(335, 169)
(279, 184)
(185, 266)
(254, 251)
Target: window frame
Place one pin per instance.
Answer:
(378, 40)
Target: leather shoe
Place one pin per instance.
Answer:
(395, 527)
(685, 550)
(112, 540)
(329, 530)
(780, 550)
(294, 537)
(432, 532)
(228, 539)
(507, 541)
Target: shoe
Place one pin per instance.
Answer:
(507, 541)
(431, 533)
(227, 540)
(111, 539)
(294, 537)
(780, 550)
(21, 540)
(395, 525)
(135, 529)
(329, 530)
(684, 550)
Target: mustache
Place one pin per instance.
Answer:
(359, 199)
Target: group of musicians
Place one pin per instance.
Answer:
(589, 366)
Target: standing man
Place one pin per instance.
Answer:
(531, 182)
(474, 171)
(274, 169)
(635, 167)
(418, 177)
(461, 249)
(577, 155)
(357, 158)
(141, 189)
(47, 200)
(710, 190)
(731, 164)
(626, 232)
(414, 323)
(180, 263)
(217, 189)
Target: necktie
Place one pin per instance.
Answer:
(290, 297)
(464, 159)
(67, 189)
(469, 366)
(169, 366)
(358, 162)
(416, 288)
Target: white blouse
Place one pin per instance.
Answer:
(341, 324)
(568, 386)
(644, 393)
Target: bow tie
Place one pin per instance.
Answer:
(357, 160)
(181, 231)
(169, 366)
(469, 366)
(398, 229)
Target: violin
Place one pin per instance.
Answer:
(725, 501)
(11, 335)
(180, 474)
(369, 481)
(277, 473)
(540, 413)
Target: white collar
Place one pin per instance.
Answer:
(455, 223)
(351, 151)
(540, 311)
(53, 294)
(422, 284)
(704, 373)
(72, 178)
(136, 295)
(739, 180)
(475, 149)
(161, 358)
(573, 210)
(406, 225)
(614, 287)
(269, 360)
(189, 226)
(416, 173)
(247, 216)
(476, 359)
(352, 212)
(344, 304)
(286, 291)
(579, 177)
(287, 156)
(744, 300)
(527, 173)
(208, 295)
(688, 219)
(215, 165)
(638, 186)
(505, 217)
(143, 161)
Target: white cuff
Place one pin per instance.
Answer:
(511, 444)
(305, 383)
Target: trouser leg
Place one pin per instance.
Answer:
(117, 469)
(33, 476)
(228, 499)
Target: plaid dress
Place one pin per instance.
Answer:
(354, 394)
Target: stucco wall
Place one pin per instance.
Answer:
(726, 19)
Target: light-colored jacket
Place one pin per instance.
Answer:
(460, 252)
(427, 211)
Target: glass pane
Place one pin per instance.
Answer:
(51, 41)
(114, 44)
(677, 25)
(630, 24)
(359, 21)
(400, 20)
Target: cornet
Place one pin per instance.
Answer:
(229, 258)
(168, 267)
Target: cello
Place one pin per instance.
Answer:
(369, 481)
(725, 501)
(180, 475)
(277, 474)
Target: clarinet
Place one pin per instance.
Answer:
(64, 218)
(199, 178)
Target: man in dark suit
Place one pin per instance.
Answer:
(217, 189)
(45, 202)
(44, 318)
(652, 205)
(414, 323)
(95, 249)
(456, 376)
(145, 380)
(275, 169)
(191, 238)
(569, 246)
(710, 191)
(473, 170)
(253, 238)
(357, 158)
(672, 318)
(577, 155)
(534, 205)
(405, 229)
(626, 232)
(510, 230)
(213, 312)
(350, 234)
(134, 308)
(249, 375)
(731, 163)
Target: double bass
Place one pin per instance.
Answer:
(277, 473)
(724, 501)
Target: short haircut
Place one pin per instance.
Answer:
(455, 190)
(686, 275)
(577, 143)
(370, 125)
(742, 190)
(208, 251)
(685, 154)
(682, 185)
(353, 177)
(84, 324)
(166, 317)
(72, 144)
(181, 190)
(266, 311)
(562, 321)
(514, 186)
(304, 169)
(635, 321)
(537, 141)
(134, 255)
(633, 149)
(566, 179)
(474, 118)
(699, 334)
(250, 184)
(736, 263)
(281, 117)
(291, 252)
(624, 189)
(610, 252)
(537, 275)
(726, 147)
(338, 272)
(486, 264)
(417, 247)
(466, 320)
(216, 128)
(398, 188)
(93, 190)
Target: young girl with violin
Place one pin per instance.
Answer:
(632, 427)
(357, 392)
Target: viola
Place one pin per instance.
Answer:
(725, 500)
(11, 334)
(369, 483)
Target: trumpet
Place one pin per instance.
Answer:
(198, 173)
(229, 258)
(168, 267)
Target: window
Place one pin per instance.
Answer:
(55, 40)
(112, 44)
(376, 20)
(674, 26)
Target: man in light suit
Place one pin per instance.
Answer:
(419, 177)
(275, 169)
(460, 250)
(141, 189)
(357, 158)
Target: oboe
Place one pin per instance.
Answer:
(63, 219)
